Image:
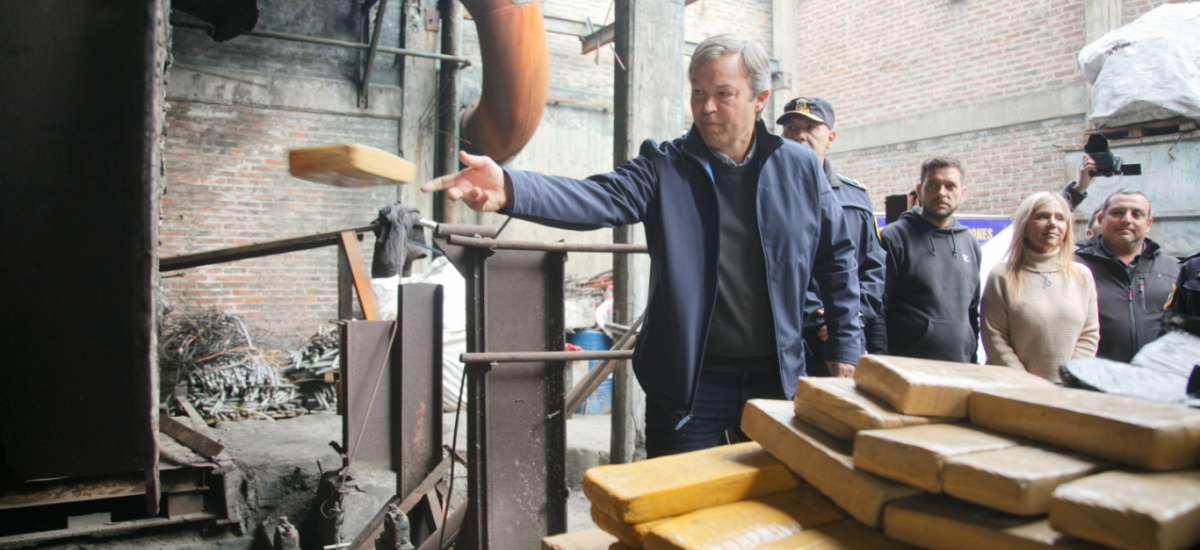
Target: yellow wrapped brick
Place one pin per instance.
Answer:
(840, 409)
(349, 165)
(1133, 511)
(630, 535)
(839, 535)
(1128, 430)
(938, 522)
(916, 455)
(592, 539)
(747, 524)
(822, 460)
(1016, 480)
(677, 484)
(934, 388)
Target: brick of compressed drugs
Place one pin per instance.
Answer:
(938, 522)
(933, 388)
(822, 460)
(632, 535)
(1127, 430)
(838, 407)
(672, 485)
(349, 165)
(1131, 510)
(916, 455)
(839, 535)
(1016, 480)
(591, 539)
(747, 524)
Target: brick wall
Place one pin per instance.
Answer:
(879, 62)
(225, 160)
(227, 185)
(1002, 165)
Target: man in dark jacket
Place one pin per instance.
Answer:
(737, 221)
(1134, 279)
(809, 120)
(931, 299)
(1186, 299)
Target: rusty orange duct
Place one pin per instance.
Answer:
(512, 40)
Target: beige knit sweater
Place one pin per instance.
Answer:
(1053, 322)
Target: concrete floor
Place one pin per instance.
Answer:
(282, 462)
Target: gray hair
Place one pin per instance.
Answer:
(754, 58)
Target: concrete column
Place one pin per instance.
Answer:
(648, 104)
(783, 49)
(1099, 17)
(417, 95)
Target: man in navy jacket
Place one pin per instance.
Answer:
(736, 225)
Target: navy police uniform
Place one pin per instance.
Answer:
(864, 231)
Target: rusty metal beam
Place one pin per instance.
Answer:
(369, 64)
(493, 244)
(257, 250)
(527, 356)
(336, 43)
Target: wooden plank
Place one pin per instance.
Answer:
(190, 438)
(362, 283)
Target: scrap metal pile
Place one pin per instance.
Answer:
(213, 356)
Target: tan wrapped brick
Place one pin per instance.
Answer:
(673, 485)
(916, 455)
(933, 388)
(822, 460)
(1127, 430)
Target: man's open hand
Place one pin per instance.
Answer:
(481, 185)
(840, 369)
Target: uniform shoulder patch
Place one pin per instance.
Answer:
(849, 181)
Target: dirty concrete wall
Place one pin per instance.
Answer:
(80, 116)
(235, 109)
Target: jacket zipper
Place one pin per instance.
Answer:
(1142, 292)
(704, 343)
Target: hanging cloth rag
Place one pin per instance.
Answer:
(397, 233)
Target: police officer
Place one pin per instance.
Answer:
(809, 120)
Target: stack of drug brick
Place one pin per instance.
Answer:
(938, 455)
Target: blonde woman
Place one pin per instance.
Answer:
(1039, 307)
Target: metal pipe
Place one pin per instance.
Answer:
(494, 244)
(516, 77)
(542, 356)
(364, 97)
(446, 161)
(331, 42)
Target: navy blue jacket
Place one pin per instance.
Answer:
(669, 188)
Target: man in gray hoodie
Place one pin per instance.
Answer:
(931, 296)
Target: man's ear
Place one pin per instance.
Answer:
(832, 138)
(760, 100)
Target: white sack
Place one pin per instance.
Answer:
(1147, 70)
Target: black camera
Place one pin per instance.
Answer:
(1107, 164)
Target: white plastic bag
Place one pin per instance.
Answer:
(1147, 70)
